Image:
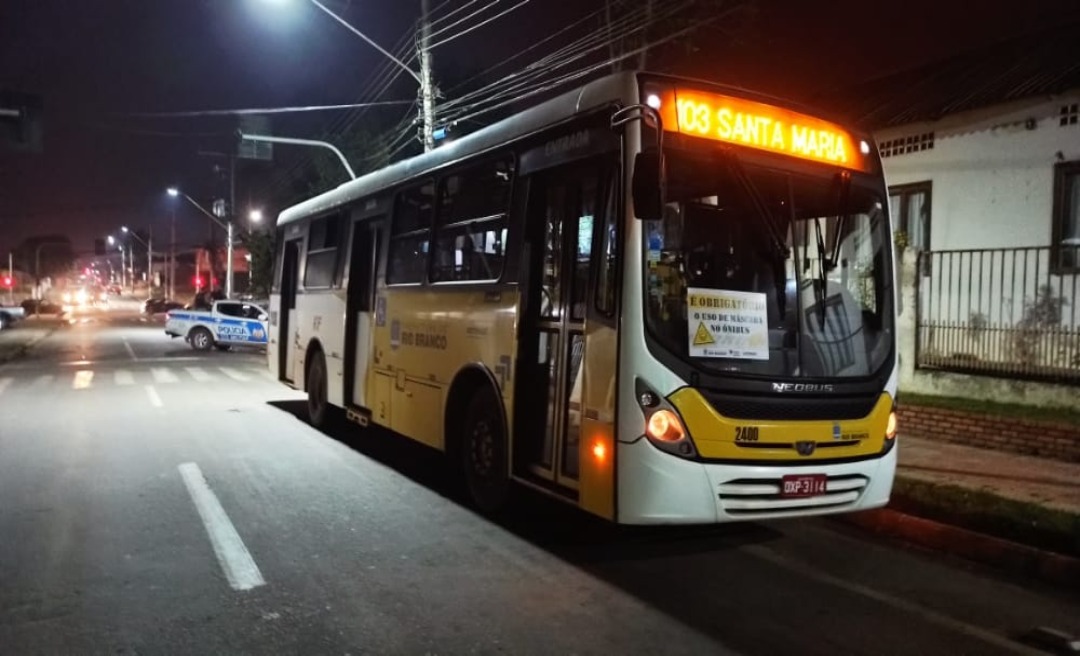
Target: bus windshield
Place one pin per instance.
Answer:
(765, 272)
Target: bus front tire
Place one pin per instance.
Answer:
(315, 381)
(201, 339)
(484, 453)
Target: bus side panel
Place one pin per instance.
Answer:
(274, 336)
(318, 316)
(597, 444)
(428, 336)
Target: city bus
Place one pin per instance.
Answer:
(659, 299)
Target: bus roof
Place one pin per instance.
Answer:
(618, 86)
(621, 86)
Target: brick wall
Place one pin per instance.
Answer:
(1057, 440)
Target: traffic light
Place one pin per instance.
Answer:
(198, 282)
(9, 282)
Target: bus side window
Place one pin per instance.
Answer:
(470, 242)
(410, 234)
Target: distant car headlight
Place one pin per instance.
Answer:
(67, 297)
(80, 296)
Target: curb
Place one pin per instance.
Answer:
(1053, 568)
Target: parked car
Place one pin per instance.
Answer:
(160, 305)
(10, 314)
(45, 306)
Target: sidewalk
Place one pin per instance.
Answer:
(929, 499)
(1041, 481)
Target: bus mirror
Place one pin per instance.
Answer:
(649, 186)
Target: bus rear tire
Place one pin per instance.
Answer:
(484, 453)
(315, 382)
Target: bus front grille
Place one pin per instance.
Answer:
(762, 496)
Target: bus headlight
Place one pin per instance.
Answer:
(663, 426)
(890, 431)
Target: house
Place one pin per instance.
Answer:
(982, 157)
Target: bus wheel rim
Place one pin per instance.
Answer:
(482, 448)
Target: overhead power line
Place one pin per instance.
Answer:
(264, 110)
(479, 25)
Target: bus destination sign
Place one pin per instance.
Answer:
(765, 127)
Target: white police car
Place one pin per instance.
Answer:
(227, 323)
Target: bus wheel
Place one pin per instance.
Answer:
(484, 453)
(201, 339)
(318, 408)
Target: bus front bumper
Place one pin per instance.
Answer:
(658, 488)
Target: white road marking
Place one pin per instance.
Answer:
(124, 377)
(4, 382)
(235, 559)
(162, 375)
(925, 613)
(83, 378)
(199, 375)
(234, 374)
(42, 380)
(130, 350)
(155, 400)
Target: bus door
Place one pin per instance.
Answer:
(287, 323)
(561, 219)
(360, 308)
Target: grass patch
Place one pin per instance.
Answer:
(983, 512)
(1014, 410)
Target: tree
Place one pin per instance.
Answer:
(260, 244)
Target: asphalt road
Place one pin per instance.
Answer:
(154, 500)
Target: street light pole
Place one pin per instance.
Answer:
(228, 227)
(424, 78)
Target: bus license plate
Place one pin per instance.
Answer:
(804, 485)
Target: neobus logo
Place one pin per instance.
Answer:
(801, 387)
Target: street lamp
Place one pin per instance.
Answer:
(423, 78)
(255, 216)
(227, 226)
(149, 259)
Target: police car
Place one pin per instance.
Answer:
(225, 324)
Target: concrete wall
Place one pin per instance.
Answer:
(943, 383)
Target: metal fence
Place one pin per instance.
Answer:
(1008, 312)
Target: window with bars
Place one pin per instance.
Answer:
(913, 143)
(1070, 114)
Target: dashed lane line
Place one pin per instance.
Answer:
(233, 556)
(155, 400)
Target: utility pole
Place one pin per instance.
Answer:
(150, 263)
(172, 256)
(427, 89)
(11, 272)
(231, 217)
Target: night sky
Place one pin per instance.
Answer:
(96, 63)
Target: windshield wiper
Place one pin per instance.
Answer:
(777, 240)
(776, 232)
(827, 263)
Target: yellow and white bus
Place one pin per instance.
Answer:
(661, 300)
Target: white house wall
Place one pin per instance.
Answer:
(992, 172)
